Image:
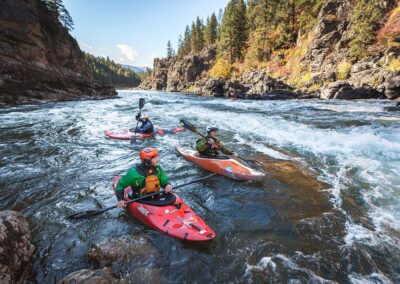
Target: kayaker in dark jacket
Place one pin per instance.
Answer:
(211, 146)
(146, 126)
(145, 178)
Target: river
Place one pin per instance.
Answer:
(328, 210)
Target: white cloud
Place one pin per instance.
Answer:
(86, 46)
(127, 53)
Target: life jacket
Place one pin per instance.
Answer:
(151, 182)
(147, 126)
(209, 151)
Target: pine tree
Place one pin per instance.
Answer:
(233, 33)
(170, 50)
(199, 35)
(210, 31)
(186, 41)
(66, 18)
(61, 13)
(180, 46)
(193, 38)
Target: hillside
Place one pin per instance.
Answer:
(39, 60)
(327, 48)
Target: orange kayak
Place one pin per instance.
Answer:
(222, 165)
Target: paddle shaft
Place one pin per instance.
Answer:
(91, 213)
(141, 104)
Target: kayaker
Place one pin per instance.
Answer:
(211, 146)
(146, 126)
(145, 178)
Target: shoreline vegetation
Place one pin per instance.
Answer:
(297, 49)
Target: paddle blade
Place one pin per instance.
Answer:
(85, 214)
(141, 103)
(187, 125)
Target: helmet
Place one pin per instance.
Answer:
(144, 115)
(148, 154)
(212, 128)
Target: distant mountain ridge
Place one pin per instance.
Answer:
(136, 69)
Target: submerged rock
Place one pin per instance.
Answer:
(88, 276)
(128, 259)
(123, 249)
(16, 249)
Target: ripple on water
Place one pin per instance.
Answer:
(327, 210)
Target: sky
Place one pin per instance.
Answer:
(131, 31)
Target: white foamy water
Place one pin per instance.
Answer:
(354, 147)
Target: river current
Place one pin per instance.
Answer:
(328, 210)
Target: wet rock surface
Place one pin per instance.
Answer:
(16, 248)
(127, 259)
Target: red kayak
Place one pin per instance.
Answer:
(170, 215)
(129, 135)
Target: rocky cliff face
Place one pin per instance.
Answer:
(329, 49)
(176, 74)
(39, 60)
(326, 50)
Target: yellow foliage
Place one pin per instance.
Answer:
(221, 69)
(263, 65)
(306, 77)
(343, 70)
(394, 13)
(300, 79)
(191, 88)
(394, 65)
(314, 88)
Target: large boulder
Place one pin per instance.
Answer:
(346, 91)
(392, 87)
(16, 249)
(257, 82)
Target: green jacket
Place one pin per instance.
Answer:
(205, 149)
(135, 179)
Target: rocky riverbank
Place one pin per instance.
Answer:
(16, 249)
(329, 72)
(39, 60)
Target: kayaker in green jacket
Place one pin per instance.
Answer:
(145, 178)
(211, 146)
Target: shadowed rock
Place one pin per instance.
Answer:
(16, 249)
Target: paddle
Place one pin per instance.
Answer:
(187, 125)
(141, 105)
(91, 213)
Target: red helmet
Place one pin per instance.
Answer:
(148, 153)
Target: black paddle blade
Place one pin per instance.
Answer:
(187, 125)
(85, 214)
(141, 103)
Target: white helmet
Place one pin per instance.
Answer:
(212, 128)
